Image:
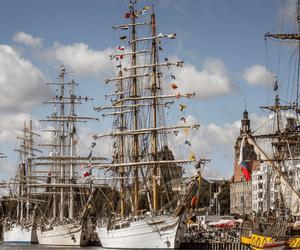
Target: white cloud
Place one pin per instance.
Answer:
(27, 39)
(215, 142)
(212, 81)
(258, 75)
(22, 84)
(11, 126)
(80, 58)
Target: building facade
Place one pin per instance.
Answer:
(240, 189)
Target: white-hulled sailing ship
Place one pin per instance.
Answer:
(64, 221)
(21, 228)
(146, 208)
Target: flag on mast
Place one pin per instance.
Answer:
(244, 165)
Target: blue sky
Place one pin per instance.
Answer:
(221, 42)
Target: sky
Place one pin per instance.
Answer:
(228, 64)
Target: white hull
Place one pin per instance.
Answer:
(20, 234)
(64, 235)
(156, 232)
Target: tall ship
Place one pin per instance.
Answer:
(64, 174)
(146, 206)
(20, 227)
(275, 224)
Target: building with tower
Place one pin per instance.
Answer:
(240, 188)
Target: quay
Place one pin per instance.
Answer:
(213, 246)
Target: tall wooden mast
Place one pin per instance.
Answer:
(134, 90)
(154, 88)
(62, 142)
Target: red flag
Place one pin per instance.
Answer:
(86, 174)
(121, 48)
(194, 201)
(127, 15)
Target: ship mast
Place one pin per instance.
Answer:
(138, 104)
(63, 161)
(134, 90)
(154, 108)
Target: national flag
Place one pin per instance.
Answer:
(243, 164)
(246, 170)
(121, 48)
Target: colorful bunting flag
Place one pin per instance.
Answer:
(192, 157)
(182, 107)
(174, 86)
(186, 131)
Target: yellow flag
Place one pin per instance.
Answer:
(182, 107)
(186, 131)
(192, 157)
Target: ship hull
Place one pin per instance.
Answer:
(20, 234)
(64, 235)
(157, 232)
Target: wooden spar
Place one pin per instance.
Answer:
(63, 163)
(30, 148)
(131, 106)
(167, 64)
(68, 119)
(153, 97)
(129, 53)
(135, 113)
(126, 77)
(19, 198)
(145, 130)
(59, 102)
(118, 113)
(51, 145)
(117, 93)
(159, 36)
(154, 114)
(77, 158)
(65, 185)
(284, 36)
(145, 163)
(129, 25)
